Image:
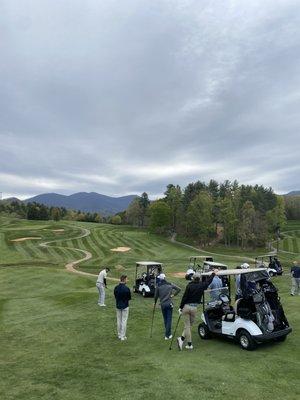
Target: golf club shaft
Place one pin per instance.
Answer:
(170, 348)
(151, 329)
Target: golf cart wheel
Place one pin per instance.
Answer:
(203, 331)
(245, 340)
(144, 294)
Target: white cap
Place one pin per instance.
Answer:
(161, 276)
(245, 266)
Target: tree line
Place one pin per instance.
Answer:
(230, 213)
(36, 211)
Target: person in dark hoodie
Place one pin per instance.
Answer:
(188, 307)
(122, 295)
(165, 292)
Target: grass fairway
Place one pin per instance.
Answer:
(56, 343)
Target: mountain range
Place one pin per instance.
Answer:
(293, 193)
(86, 202)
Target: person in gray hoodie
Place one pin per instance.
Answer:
(165, 292)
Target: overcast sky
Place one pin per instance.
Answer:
(125, 96)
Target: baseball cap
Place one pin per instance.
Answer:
(161, 276)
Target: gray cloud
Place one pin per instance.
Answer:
(122, 97)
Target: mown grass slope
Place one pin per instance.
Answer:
(56, 343)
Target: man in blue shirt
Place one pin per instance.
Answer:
(215, 287)
(295, 274)
(122, 295)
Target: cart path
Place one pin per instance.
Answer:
(70, 266)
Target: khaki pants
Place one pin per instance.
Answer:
(101, 290)
(189, 315)
(295, 286)
(122, 316)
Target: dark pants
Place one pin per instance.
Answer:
(167, 315)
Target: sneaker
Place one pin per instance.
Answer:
(102, 305)
(123, 338)
(189, 347)
(292, 294)
(168, 337)
(179, 343)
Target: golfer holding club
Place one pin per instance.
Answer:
(101, 286)
(188, 307)
(165, 292)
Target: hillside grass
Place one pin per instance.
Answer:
(56, 343)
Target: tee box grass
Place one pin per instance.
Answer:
(56, 343)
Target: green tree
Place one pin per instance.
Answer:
(276, 217)
(246, 226)
(228, 219)
(55, 213)
(160, 216)
(173, 199)
(116, 220)
(134, 212)
(144, 206)
(199, 217)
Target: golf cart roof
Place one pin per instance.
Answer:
(147, 263)
(200, 257)
(234, 271)
(215, 264)
(268, 255)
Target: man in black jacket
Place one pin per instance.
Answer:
(188, 307)
(122, 295)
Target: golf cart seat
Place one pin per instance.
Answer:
(235, 307)
(243, 309)
(229, 316)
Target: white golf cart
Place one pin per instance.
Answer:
(146, 273)
(257, 316)
(271, 263)
(208, 264)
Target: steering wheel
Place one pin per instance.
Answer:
(144, 275)
(224, 298)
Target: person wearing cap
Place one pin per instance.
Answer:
(188, 307)
(101, 286)
(165, 291)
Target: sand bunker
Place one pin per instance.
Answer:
(178, 274)
(120, 268)
(25, 238)
(121, 249)
(58, 230)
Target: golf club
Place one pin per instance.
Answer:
(170, 348)
(152, 319)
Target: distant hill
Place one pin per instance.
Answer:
(87, 202)
(293, 193)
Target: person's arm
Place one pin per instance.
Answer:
(176, 290)
(104, 281)
(115, 291)
(207, 284)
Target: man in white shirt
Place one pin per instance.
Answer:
(101, 285)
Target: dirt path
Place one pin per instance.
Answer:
(87, 255)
